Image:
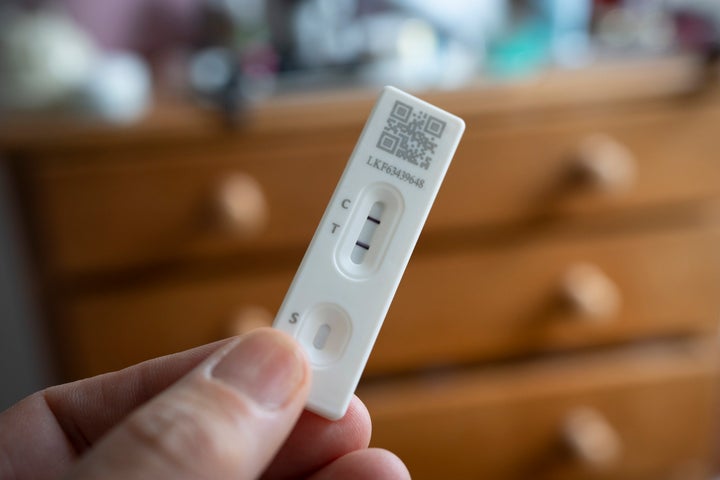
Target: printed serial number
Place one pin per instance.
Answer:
(390, 169)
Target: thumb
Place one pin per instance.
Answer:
(225, 420)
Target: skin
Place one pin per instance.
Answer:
(229, 410)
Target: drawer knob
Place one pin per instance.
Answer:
(604, 164)
(249, 318)
(590, 292)
(241, 204)
(591, 438)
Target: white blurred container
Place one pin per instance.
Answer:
(44, 59)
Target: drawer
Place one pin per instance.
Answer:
(100, 333)
(253, 193)
(549, 293)
(453, 306)
(129, 207)
(580, 162)
(639, 413)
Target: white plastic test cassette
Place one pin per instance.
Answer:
(348, 277)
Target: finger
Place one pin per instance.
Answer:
(87, 409)
(316, 442)
(224, 420)
(369, 464)
(41, 436)
(32, 444)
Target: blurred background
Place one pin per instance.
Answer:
(113, 60)
(165, 162)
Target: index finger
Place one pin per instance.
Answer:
(87, 409)
(41, 436)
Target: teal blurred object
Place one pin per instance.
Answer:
(540, 32)
(522, 50)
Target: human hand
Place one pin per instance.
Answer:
(230, 410)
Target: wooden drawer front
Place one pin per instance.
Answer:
(129, 206)
(107, 332)
(476, 304)
(451, 306)
(645, 415)
(506, 174)
(126, 208)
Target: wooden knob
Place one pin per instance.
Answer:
(249, 318)
(590, 292)
(591, 438)
(604, 164)
(242, 205)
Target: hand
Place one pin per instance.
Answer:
(230, 410)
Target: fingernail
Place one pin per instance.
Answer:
(265, 366)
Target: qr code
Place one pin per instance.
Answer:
(411, 135)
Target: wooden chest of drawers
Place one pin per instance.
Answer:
(557, 319)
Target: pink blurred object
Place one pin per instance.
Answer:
(150, 27)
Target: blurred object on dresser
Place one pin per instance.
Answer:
(110, 60)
